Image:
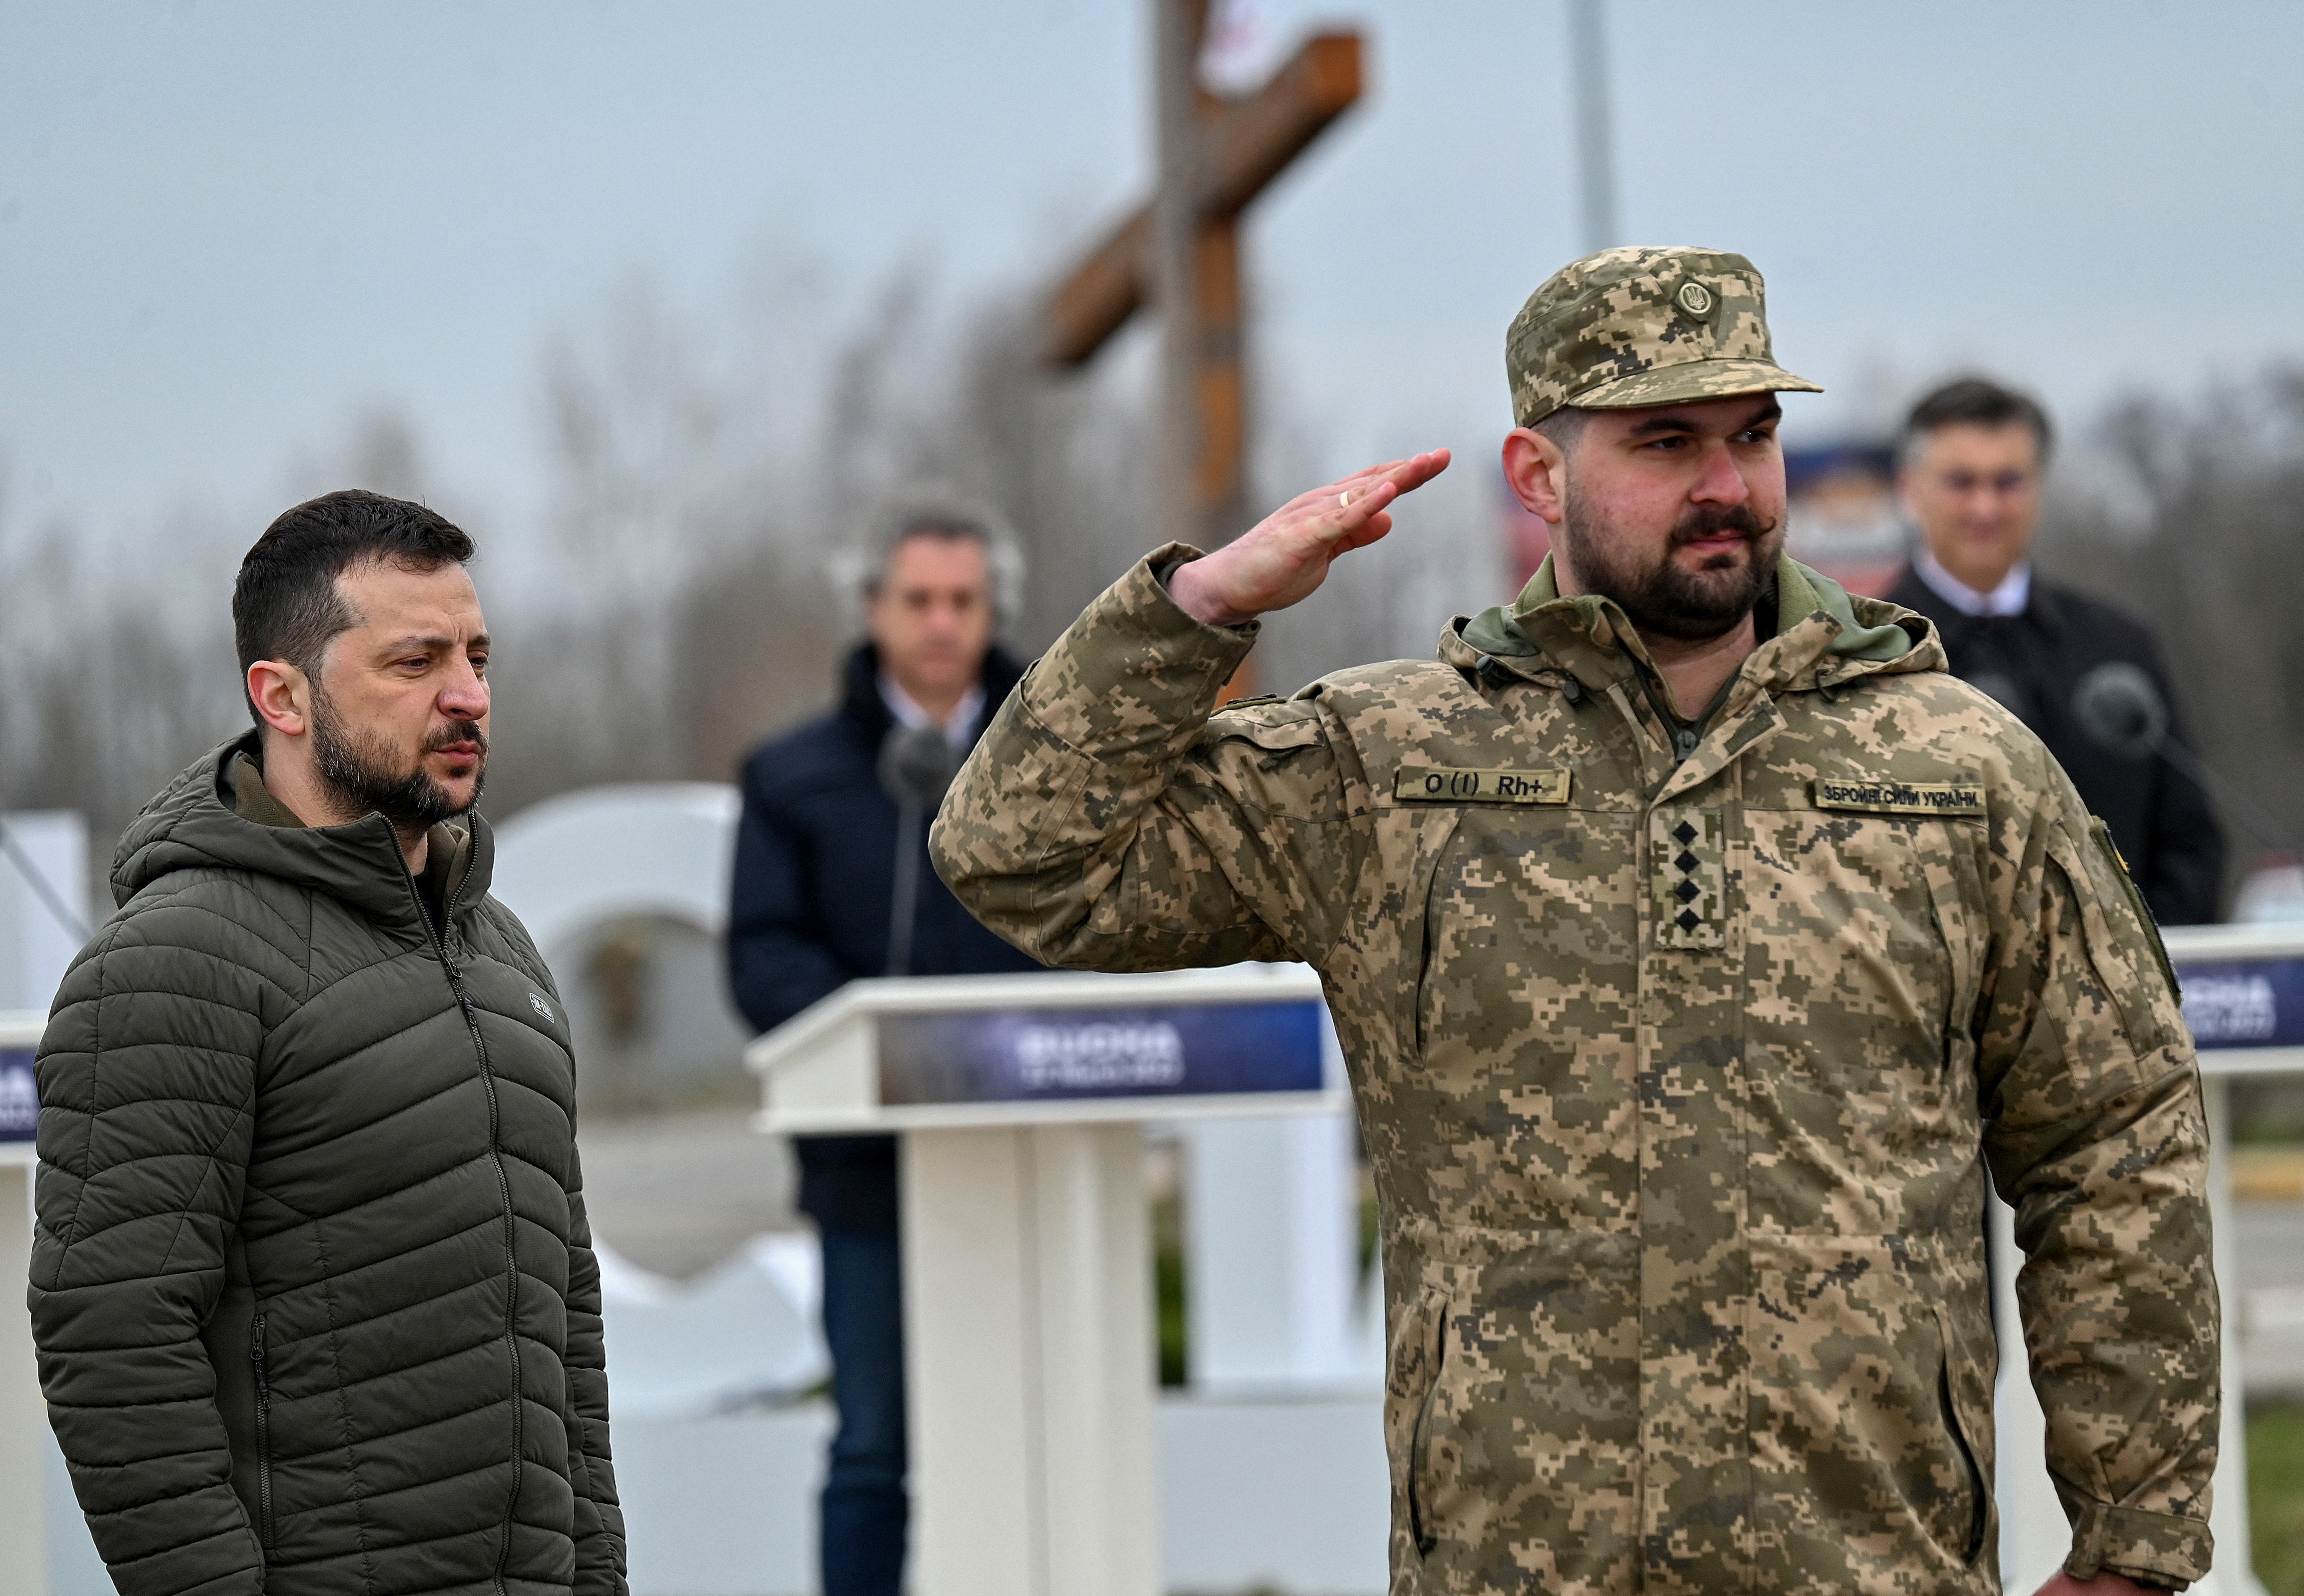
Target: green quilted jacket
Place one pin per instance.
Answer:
(312, 1287)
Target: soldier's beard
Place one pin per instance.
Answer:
(362, 772)
(1661, 596)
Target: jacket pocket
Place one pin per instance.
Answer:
(1419, 1472)
(1511, 1413)
(1419, 939)
(1949, 1383)
(1423, 979)
(263, 1437)
(1410, 1385)
(1872, 1456)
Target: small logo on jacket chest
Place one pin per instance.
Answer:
(1442, 784)
(536, 1001)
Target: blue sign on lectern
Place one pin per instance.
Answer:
(20, 1095)
(2255, 1004)
(1011, 1055)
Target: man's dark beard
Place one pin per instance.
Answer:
(360, 771)
(1665, 600)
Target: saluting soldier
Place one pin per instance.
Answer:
(1690, 931)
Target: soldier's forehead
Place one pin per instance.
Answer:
(1734, 409)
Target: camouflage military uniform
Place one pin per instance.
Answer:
(1674, 1071)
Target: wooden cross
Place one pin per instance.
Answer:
(1181, 252)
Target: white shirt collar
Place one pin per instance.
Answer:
(2015, 592)
(958, 731)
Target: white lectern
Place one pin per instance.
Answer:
(1029, 1362)
(23, 1417)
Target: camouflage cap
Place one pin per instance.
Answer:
(1642, 327)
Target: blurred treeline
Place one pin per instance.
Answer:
(708, 466)
(682, 595)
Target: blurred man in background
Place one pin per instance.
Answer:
(833, 884)
(1972, 457)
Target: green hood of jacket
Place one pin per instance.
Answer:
(219, 813)
(1800, 592)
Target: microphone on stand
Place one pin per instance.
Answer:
(2121, 710)
(916, 765)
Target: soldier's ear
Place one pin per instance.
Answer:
(1536, 469)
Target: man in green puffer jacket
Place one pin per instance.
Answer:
(312, 1286)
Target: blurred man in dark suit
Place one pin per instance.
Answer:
(1970, 477)
(831, 883)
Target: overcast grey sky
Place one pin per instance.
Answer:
(225, 229)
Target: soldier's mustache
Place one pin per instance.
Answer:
(1710, 521)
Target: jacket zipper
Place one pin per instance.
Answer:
(263, 1439)
(1681, 737)
(503, 1189)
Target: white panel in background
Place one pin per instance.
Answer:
(43, 910)
(1272, 1253)
(1274, 1293)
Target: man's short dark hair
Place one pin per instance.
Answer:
(285, 604)
(1565, 425)
(1977, 402)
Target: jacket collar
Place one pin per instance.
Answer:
(200, 820)
(1823, 636)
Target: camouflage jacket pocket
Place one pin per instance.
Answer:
(1419, 939)
(1274, 723)
(1412, 1380)
(1512, 1411)
(1828, 893)
(1870, 1434)
(1965, 1395)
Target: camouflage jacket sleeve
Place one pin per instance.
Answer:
(1106, 820)
(2097, 1135)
